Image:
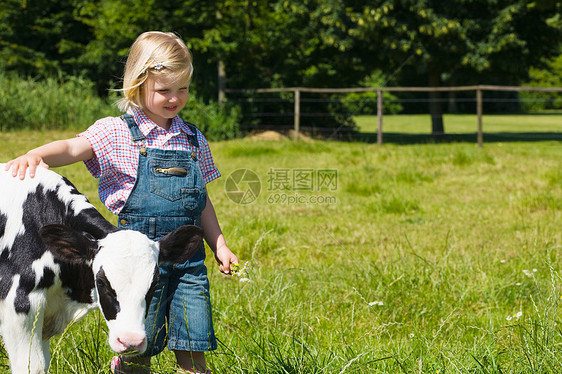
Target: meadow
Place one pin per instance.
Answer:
(421, 258)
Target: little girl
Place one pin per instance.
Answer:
(153, 168)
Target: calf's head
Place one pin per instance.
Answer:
(125, 268)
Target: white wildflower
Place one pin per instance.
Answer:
(240, 271)
(515, 316)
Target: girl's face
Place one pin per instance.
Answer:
(162, 98)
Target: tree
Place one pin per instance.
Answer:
(459, 41)
(31, 34)
(115, 24)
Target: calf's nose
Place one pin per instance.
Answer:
(132, 342)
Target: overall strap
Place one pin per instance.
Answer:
(137, 135)
(192, 138)
(133, 128)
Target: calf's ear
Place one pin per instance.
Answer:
(68, 245)
(179, 245)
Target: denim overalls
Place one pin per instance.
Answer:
(170, 192)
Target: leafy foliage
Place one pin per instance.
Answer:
(449, 39)
(216, 122)
(366, 103)
(32, 33)
(551, 76)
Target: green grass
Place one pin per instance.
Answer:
(421, 123)
(451, 239)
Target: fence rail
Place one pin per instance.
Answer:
(379, 90)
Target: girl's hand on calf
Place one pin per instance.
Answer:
(21, 164)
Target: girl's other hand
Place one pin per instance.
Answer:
(21, 164)
(225, 257)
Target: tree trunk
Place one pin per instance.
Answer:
(221, 76)
(221, 81)
(435, 109)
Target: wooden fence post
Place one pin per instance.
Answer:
(297, 114)
(480, 136)
(379, 116)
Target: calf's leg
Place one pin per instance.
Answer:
(22, 337)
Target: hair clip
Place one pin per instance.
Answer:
(158, 66)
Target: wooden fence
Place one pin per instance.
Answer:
(478, 90)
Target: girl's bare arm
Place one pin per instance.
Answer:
(215, 238)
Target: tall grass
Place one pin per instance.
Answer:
(432, 258)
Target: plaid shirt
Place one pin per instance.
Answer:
(116, 156)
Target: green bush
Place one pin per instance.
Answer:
(360, 103)
(533, 102)
(215, 122)
(50, 103)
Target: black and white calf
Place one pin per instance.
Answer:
(59, 258)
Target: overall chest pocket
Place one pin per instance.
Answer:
(169, 179)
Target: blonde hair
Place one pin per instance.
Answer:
(152, 54)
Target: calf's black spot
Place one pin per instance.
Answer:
(47, 280)
(78, 279)
(26, 285)
(3, 221)
(107, 296)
